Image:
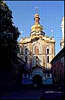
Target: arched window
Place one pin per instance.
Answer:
(26, 50)
(36, 50)
(47, 51)
(47, 59)
(21, 50)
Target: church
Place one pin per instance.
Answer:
(37, 49)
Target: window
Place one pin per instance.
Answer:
(47, 59)
(21, 50)
(47, 51)
(26, 51)
(36, 50)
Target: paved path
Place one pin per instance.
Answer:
(24, 94)
(30, 93)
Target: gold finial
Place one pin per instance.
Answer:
(36, 16)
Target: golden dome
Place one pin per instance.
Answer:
(36, 28)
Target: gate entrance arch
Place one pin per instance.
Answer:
(37, 76)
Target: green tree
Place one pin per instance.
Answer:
(9, 62)
(8, 36)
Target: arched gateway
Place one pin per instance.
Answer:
(37, 76)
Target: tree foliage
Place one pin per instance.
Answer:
(8, 35)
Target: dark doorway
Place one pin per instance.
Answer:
(37, 79)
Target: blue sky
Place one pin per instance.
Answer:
(51, 13)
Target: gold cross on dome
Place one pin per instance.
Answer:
(36, 10)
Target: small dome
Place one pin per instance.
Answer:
(36, 28)
(36, 16)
